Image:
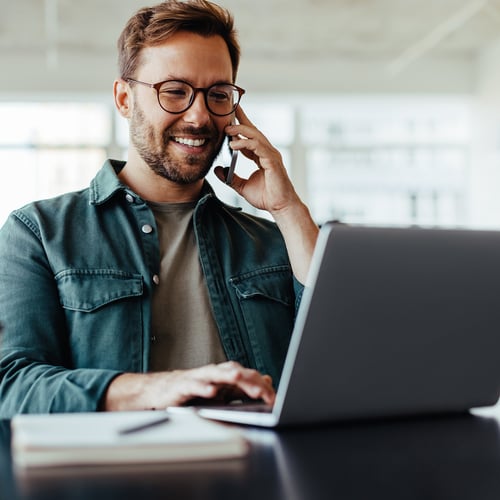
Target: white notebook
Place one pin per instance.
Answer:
(48, 440)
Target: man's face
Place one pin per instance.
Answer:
(180, 147)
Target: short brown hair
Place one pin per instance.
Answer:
(152, 26)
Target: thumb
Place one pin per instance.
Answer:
(237, 182)
(221, 173)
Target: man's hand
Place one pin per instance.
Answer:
(145, 391)
(269, 188)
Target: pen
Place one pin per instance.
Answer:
(145, 425)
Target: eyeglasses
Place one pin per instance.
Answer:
(176, 96)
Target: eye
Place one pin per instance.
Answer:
(174, 91)
(219, 94)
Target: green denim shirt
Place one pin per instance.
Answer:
(76, 281)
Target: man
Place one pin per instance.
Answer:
(145, 290)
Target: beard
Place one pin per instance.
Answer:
(153, 149)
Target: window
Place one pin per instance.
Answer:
(49, 148)
(369, 160)
(392, 161)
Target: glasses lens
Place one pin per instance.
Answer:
(175, 96)
(222, 99)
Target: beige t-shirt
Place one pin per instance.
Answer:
(184, 332)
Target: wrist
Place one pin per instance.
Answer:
(300, 233)
(291, 213)
(126, 392)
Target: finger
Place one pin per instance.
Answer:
(259, 388)
(258, 392)
(242, 117)
(250, 381)
(190, 388)
(242, 132)
(258, 150)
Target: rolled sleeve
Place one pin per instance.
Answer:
(36, 374)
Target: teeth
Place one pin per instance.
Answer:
(190, 142)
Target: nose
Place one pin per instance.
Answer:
(197, 113)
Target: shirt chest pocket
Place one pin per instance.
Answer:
(88, 290)
(266, 301)
(104, 316)
(274, 284)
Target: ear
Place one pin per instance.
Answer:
(123, 97)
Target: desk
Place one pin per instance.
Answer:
(426, 459)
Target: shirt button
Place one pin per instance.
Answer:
(153, 339)
(147, 229)
(156, 279)
(129, 198)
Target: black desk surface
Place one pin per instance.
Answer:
(428, 458)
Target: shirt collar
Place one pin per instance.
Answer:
(106, 184)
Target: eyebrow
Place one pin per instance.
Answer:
(186, 80)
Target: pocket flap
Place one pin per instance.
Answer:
(272, 283)
(88, 289)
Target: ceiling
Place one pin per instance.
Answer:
(327, 45)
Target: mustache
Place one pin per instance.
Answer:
(204, 132)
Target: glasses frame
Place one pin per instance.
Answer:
(204, 90)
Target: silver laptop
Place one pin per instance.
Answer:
(393, 321)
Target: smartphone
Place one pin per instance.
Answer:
(232, 165)
(234, 157)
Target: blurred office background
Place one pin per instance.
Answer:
(387, 112)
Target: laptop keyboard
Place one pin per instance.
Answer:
(242, 406)
(255, 407)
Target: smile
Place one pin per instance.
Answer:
(190, 142)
